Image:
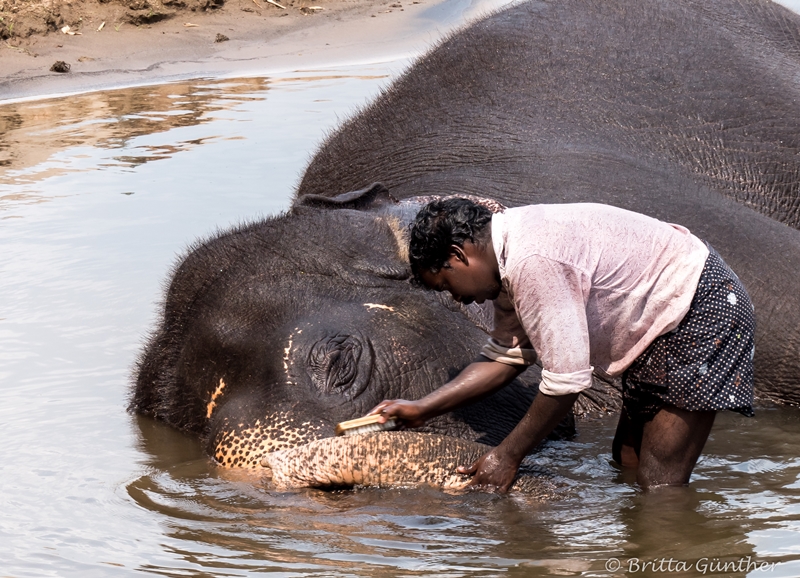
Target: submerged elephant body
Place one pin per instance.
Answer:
(685, 111)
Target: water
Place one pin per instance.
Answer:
(98, 193)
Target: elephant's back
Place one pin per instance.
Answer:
(707, 89)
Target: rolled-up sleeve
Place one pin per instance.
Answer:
(564, 383)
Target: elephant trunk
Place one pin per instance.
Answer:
(391, 459)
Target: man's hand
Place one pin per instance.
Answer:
(411, 412)
(493, 471)
(497, 469)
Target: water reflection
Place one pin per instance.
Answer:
(80, 274)
(247, 525)
(80, 277)
(44, 139)
(33, 132)
(242, 524)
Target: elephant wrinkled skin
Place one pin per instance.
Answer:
(370, 460)
(686, 111)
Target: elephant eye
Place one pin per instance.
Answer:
(334, 364)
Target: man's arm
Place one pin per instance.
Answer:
(498, 468)
(550, 304)
(479, 379)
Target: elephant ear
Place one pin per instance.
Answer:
(360, 200)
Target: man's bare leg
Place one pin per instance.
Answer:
(627, 441)
(671, 444)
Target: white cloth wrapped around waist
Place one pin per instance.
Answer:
(552, 383)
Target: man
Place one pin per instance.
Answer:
(589, 287)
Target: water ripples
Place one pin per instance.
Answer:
(98, 194)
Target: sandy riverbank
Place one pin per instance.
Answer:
(239, 37)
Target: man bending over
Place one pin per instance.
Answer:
(589, 287)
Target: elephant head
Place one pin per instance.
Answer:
(274, 332)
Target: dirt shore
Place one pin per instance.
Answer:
(130, 42)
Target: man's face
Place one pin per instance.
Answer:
(469, 275)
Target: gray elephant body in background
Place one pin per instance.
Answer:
(685, 111)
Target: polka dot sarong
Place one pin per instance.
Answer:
(706, 363)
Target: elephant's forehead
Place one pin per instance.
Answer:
(243, 446)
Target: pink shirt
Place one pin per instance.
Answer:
(587, 286)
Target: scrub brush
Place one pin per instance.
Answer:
(366, 424)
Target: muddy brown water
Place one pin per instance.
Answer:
(98, 192)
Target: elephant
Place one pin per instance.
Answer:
(274, 331)
(372, 460)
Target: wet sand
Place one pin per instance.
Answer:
(261, 39)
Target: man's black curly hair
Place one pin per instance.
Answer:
(439, 225)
